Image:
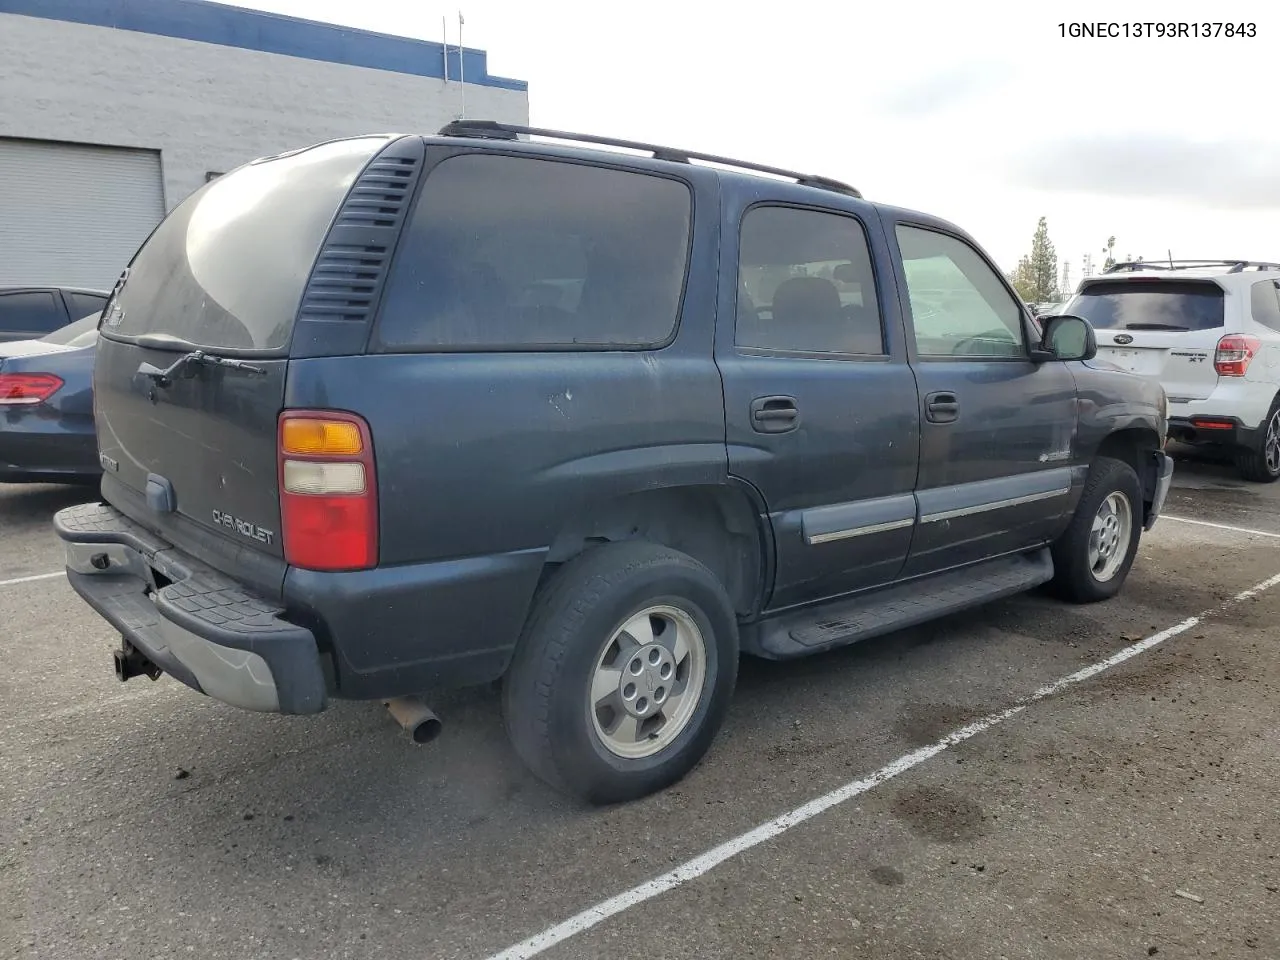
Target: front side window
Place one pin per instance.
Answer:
(959, 307)
(520, 253)
(805, 284)
(34, 313)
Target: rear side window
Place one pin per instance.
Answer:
(1265, 301)
(519, 253)
(1174, 305)
(83, 304)
(35, 313)
(805, 284)
(226, 269)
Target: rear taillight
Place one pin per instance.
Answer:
(328, 491)
(1234, 353)
(1213, 423)
(28, 388)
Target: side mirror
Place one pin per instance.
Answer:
(1065, 337)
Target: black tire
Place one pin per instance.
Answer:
(1252, 462)
(1074, 578)
(574, 614)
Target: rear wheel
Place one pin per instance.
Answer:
(1260, 463)
(624, 673)
(1092, 559)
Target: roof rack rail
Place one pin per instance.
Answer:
(1234, 266)
(492, 129)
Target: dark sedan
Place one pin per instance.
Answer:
(46, 407)
(30, 312)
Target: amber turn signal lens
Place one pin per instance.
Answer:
(321, 438)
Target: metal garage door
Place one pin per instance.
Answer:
(73, 215)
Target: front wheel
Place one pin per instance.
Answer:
(624, 673)
(1092, 559)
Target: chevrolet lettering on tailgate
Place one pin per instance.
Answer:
(243, 527)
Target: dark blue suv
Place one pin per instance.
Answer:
(397, 412)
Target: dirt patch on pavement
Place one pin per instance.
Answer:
(1159, 671)
(1039, 615)
(1206, 495)
(926, 723)
(800, 748)
(1165, 593)
(887, 876)
(940, 814)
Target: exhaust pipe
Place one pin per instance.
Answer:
(415, 717)
(130, 662)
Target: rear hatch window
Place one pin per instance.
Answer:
(1171, 305)
(1160, 329)
(192, 455)
(227, 268)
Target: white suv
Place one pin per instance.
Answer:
(1209, 333)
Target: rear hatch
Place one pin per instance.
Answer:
(1165, 329)
(193, 351)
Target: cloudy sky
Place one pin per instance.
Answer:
(978, 112)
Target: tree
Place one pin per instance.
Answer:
(1111, 260)
(1036, 276)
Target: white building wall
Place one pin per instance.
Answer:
(204, 106)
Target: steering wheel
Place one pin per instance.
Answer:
(988, 336)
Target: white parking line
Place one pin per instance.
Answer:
(1221, 526)
(691, 869)
(39, 576)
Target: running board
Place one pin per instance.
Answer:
(844, 622)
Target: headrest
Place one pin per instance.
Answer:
(800, 299)
(848, 273)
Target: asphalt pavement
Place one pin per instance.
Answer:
(968, 789)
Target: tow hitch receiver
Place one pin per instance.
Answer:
(132, 662)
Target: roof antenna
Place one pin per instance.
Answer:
(1170, 252)
(462, 66)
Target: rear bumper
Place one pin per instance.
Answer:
(1237, 400)
(198, 626)
(36, 450)
(360, 635)
(1205, 428)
